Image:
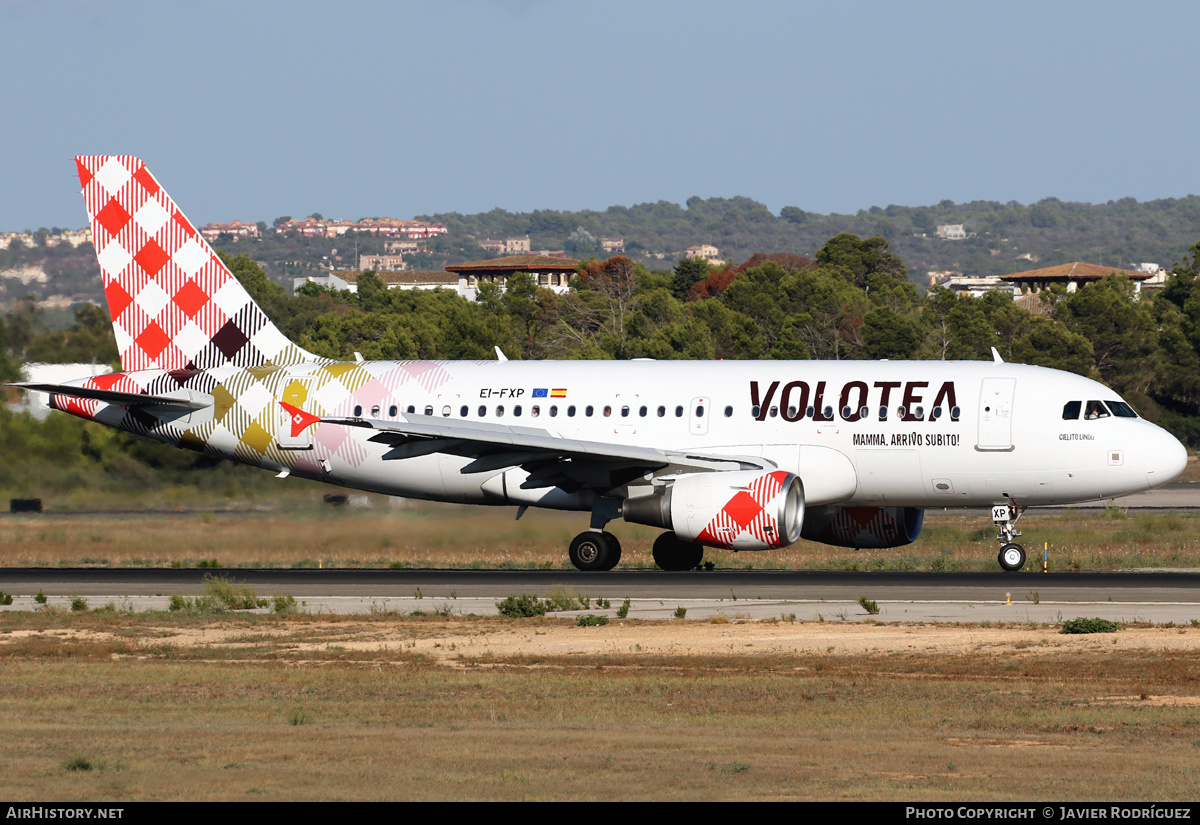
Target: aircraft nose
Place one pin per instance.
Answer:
(1166, 458)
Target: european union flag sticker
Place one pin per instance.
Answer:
(540, 393)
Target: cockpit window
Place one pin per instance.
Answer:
(1096, 409)
(1071, 410)
(1121, 410)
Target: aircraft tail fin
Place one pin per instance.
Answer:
(174, 304)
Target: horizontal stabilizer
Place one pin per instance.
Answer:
(184, 400)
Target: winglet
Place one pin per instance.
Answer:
(996, 356)
(500, 356)
(300, 419)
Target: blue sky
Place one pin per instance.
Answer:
(256, 109)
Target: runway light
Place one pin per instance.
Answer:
(1008, 598)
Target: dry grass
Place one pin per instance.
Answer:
(456, 536)
(331, 708)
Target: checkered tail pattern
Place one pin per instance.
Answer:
(174, 304)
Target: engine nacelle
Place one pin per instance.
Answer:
(864, 527)
(741, 510)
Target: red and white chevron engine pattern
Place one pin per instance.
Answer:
(174, 305)
(749, 509)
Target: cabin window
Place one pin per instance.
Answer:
(624, 412)
(935, 414)
(642, 411)
(535, 410)
(482, 411)
(392, 411)
(1094, 410)
(571, 411)
(864, 412)
(607, 411)
(700, 410)
(791, 414)
(754, 411)
(810, 412)
(900, 413)
(464, 410)
(375, 411)
(517, 410)
(846, 412)
(829, 413)
(553, 410)
(446, 411)
(729, 412)
(588, 410)
(499, 410)
(429, 410)
(679, 412)
(357, 410)
(773, 413)
(955, 412)
(1071, 410)
(661, 411)
(411, 409)
(883, 413)
(919, 412)
(1121, 410)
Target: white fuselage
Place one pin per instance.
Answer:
(970, 433)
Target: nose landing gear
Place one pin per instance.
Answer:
(1005, 517)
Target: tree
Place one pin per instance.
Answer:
(854, 259)
(688, 273)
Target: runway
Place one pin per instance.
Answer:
(1157, 597)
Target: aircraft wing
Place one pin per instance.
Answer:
(184, 400)
(550, 459)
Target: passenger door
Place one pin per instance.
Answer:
(995, 414)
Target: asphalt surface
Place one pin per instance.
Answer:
(917, 597)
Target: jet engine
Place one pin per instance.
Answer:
(740, 510)
(864, 527)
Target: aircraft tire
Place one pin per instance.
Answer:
(594, 551)
(1012, 557)
(673, 553)
(614, 544)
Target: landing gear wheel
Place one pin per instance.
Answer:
(595, 551)
(1012, 557)
(673, 553)
(614, 545)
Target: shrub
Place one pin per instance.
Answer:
(521, 607)
(230, 595)
(40, 598)
(680, 612)
(213, 563)
(603, 604)
(178, 603)
(590, 620)
(1090, 626)
(78, 763)
(868, 605)
(565, 598)
(79, 604)
(299, 716)
(5, 598)
(285, 604)
(623, 610)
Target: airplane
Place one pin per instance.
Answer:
(742, 455)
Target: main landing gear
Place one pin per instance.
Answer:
(673, 553)
(1005, 517)
(595, 550)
